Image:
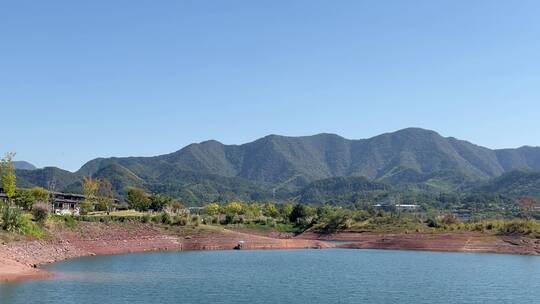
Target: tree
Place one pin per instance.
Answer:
(176, 206)
(7, 173)
(528, 206)
(138, 199)
(90, 190)
(286, 211)
(105, 195)
(24, 199)
(270, 210)
(211, 209)
(233, 208)
(40, 194)
(158, 202)
(253, 210)
(300, 211)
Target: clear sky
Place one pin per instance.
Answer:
(86, 79)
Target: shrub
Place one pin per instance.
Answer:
(24, 199)
(165, 218)
(12, 220)
(85, 207)
(181, 221)
(431, 222)
(40, 211)
(70, 222)
(145, 218)
(196, 220)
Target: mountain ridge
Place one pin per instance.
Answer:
(286, 164)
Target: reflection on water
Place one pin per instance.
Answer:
(295, 276)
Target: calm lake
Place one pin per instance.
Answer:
(292, 276)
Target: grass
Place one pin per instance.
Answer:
(127, 213)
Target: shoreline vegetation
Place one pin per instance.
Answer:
(32, 235)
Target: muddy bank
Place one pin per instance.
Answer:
(457, 242)
(19, 260)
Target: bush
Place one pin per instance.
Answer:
(165, 218)
(180, 221)
(12, 220)
(70, 222)
(146, 218)
(196, 220)
(40, 211)
(24, 199)
(528, 227)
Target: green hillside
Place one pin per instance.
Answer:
(281, 167)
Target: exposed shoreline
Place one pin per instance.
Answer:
(20, 260)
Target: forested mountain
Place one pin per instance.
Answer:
(513, 184)
(23, 165)
(280, 166)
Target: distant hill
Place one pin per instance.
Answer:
(339, 190)
(513, 184)
(23, 165)
(280, 166)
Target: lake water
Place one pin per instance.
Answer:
(286, 276)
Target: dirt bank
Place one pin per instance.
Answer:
(19, 259)
(458, 241)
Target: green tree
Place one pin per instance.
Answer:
(301, 211)
(105, 195)
(270, 210)
(90, 189)
(158, 202)
(24, 198)
(138, 199)
(286, 211)
(233, 208)
(40, 194)
(253, 210)
(211, 209)
(7, 173)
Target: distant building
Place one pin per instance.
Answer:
(62, 203)
(407, 206)
(65, 201)
(388, 206)
(196, 210)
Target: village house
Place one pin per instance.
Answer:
(60, 202)
(66, 202)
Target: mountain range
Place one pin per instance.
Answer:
(282, 167)
(23, 165)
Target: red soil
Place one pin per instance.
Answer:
(458, 241)
(18, 260)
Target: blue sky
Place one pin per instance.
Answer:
(86, 79)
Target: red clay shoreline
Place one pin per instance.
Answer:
(20, 260)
